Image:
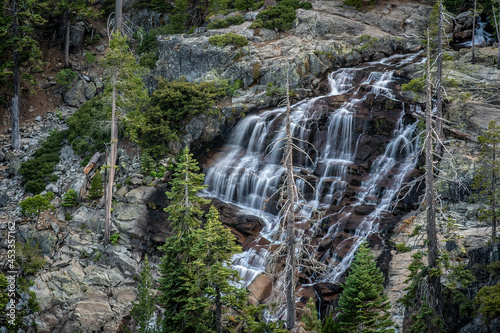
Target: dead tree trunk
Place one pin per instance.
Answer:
(218, 311)
(474, 33)
(497, 27)
(434, 281)
(290, 222)
(494, 195)
(16, 102)
(439, 106)
(112, 163)
(118, 15)
(66, 38)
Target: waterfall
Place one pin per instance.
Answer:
(247, 172)
(480, 35)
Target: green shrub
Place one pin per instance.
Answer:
(70, 198)
(29, 258)
(149, 60)
(4, 298)
(96, 190)
(280, 17)
(415, 85)
(93, 40)
(36, 172)
(66, 76)
(114, 238)
(33, 206)
(86, 133)
(147, 41)
(90, 57)
(227, 22)
(229, 38)
(172, 105)
(402, 247)
(148, 164)
(488, 299)
(358, 3)
(244, 4)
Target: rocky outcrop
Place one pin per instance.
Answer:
(328, 36)
(81, 92)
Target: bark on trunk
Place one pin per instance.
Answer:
(474, 34)
(16, 105)
(434, 281)
(218, 311)
(113, 152)
(66, 38)
(118, 15)
(439, 106)
(186, 189)
(494, 196)
(498, 36)
(497, 27)
(290, 227)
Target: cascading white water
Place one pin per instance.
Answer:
(480, 35)
(402, 150)
(248, 172)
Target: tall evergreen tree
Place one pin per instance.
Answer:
(195, 288)
(216, 249)
(184, 208)
(487, 178)
(127, 94)
(195, 269)
(19, 18)
(363, 307)
(143, 308)
(72, 10)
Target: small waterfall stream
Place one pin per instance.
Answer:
(480, 35)
(354, 188)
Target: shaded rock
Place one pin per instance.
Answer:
(90, 316)
(77, 36)
(14, 162)
(46, 240)
(91, 218)
(139, 195)
(76, 95)
(260, 288)
(90, 90)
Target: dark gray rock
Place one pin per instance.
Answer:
(90, 90)
(76, 96)
(77, 36)
(46, 240)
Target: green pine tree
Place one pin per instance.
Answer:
(487, 179)
(310, 318)
(363, 307)
(96, 190)
(148, 164)
(181, 296)
(196, 277)
(331, 326)
(215, 250)
(184, 207)
(70, 198)
(143, 308)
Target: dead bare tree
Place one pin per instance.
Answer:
(432, 246)
(439, 83)
(474, 32)
(497, 27)
(295, 250)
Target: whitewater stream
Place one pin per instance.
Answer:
(341, 183)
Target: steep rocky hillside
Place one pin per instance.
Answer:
(85, 286)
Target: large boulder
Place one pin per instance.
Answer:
(45, 240)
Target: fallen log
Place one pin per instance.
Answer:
(91, 163)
